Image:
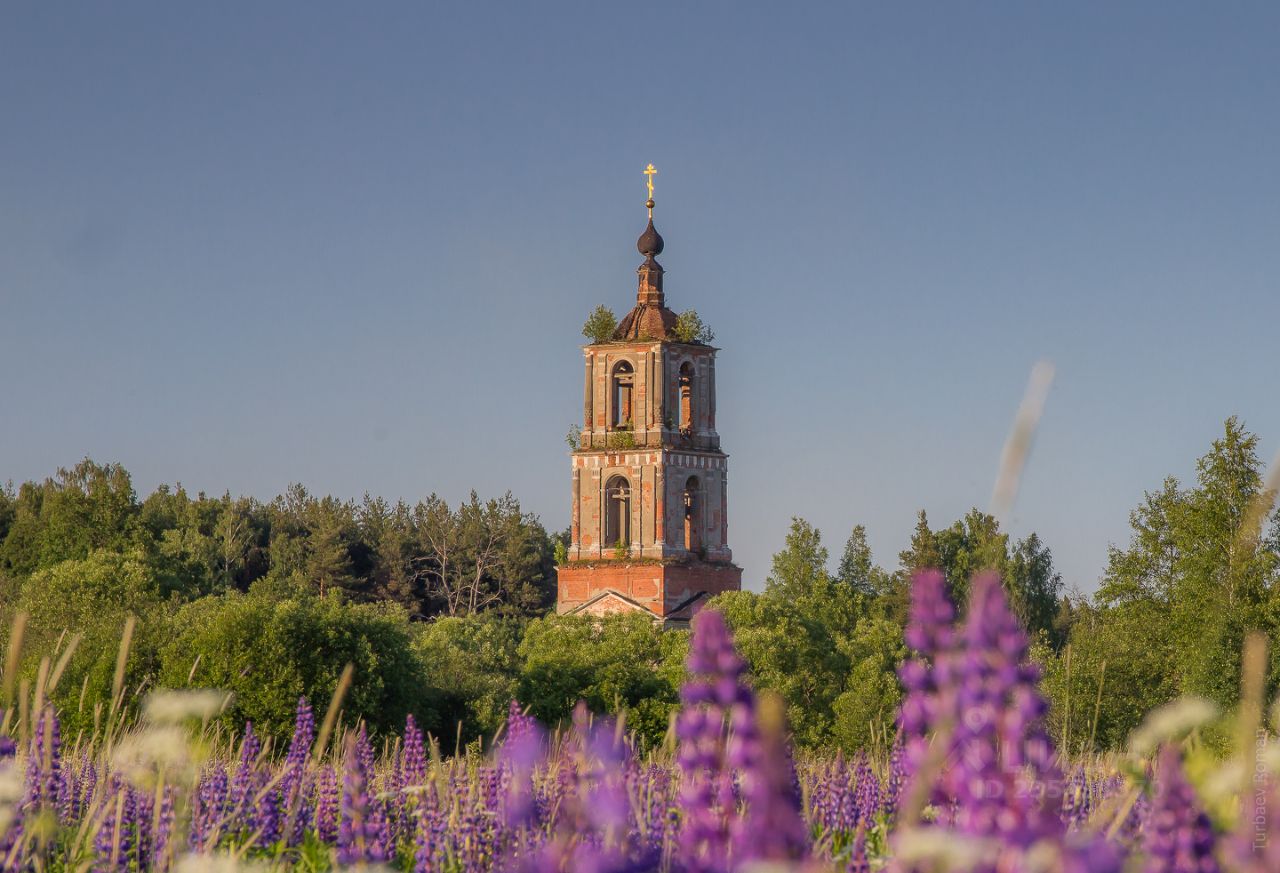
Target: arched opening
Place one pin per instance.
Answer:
(624, 379)
(617, 518)
(692, 506)
(685, 405)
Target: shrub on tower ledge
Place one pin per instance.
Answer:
(600, 324)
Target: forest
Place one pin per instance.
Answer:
(446, 611)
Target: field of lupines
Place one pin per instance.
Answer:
(973, 782)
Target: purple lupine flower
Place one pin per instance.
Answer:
(596, 831)
(267, 819)
(896, 779)
(304, 734)
(413, 757)
(771, 828)
(1004, 761)
(68, 791)
(208, 816)
(364, 749)
(8, 748)
(360, 832)
(294, 784)
(88, 783)
(143, 809)
(927, 705)
(858, 862)
(517, 757)
(518, 723)
(832, 804)
(162, 833)
(1178, 836)
(113, 842)
(44, 764)
(326, 817)
(712, 693)
(425, 844)
(245, 781)
(867, 793)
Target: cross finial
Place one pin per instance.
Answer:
(649, 173)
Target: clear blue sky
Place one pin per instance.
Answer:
(243, 245)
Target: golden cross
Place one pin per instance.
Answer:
(649, 173)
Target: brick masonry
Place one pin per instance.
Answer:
(649, 518)
(660, 588)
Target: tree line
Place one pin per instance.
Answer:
(445, 611)
(428, 557)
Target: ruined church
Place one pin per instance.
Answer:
(650, 521)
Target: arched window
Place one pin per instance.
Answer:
(617, 517)
(624, 378)
(692, 506)
(685, 386)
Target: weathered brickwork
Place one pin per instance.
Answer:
(660, 588)
(649, 518)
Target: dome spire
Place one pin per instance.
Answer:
(651, 319)
(650, 242)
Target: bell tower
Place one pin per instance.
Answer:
(650, 525)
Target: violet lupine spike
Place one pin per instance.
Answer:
(68, 791)
(413, 756)
(771, 829)
(425, 845)
(867, 791)
(143, 812)
(1003, 761)
(209, 810)
(113, 841)
(364, 749)
(1178, 836)
(8, 748)
(518, 755)
(360, 836)
(44, 764)
(858, 861)
(833, 800)
(163, 832)
(706, 795)
(518, 723)
(927, 704)
(897, 776)
(327, 802)
(290, 816)
(244, 782)
(88, 782)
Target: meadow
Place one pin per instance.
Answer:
(972, 780)
(961, 712)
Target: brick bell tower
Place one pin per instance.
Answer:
(650, 525)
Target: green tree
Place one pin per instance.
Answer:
(93, 597)
(857, 570)
(1175, 605)
(1035, 588)
(618, 663)
(802, 563)
(89, 506)
(690, 328)
(600, 325)
(281, 641)
(472, 664)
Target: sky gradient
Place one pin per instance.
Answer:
(353, 246)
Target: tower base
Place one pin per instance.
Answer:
(672, 592)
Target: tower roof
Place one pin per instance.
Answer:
(650, 319)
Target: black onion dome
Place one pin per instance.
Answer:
(650, 242)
